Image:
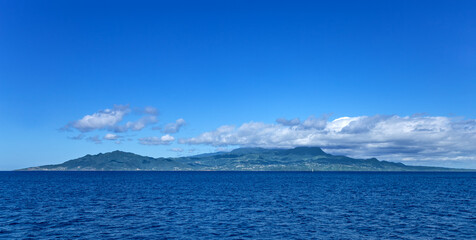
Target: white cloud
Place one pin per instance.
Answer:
(137, 125)
(107, 118)
(164, 140)
(315, 123)
(174, 127)
(111, 136)
(310, 122)
(110, 119)
(393, 137)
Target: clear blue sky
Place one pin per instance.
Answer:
(215, 63)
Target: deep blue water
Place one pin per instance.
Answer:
(236, 205)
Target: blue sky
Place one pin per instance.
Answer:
(402, 71)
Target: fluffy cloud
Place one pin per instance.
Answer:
(174, 127)
(164, 140)
(315, 123)
(136, 125)
(310, 123)
(110, 119)
(107, 118)
(111, 136)
(392, 137)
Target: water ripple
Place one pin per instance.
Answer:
(237, 205)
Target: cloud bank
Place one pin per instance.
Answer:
(388, 137)
(120, 119)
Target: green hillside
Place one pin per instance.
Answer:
(242, 159)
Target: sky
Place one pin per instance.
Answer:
(394, 80)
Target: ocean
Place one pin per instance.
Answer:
(237, 205)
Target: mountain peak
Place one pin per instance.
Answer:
(117, 152)
(306, 151)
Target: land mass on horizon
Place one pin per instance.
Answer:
(241, 159)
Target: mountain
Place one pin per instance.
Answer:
(241, 159)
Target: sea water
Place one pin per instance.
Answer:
(237, 205)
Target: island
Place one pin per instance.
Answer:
(241, 159)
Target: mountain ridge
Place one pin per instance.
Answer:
(241, 159)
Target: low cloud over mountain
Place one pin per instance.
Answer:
(384, 136)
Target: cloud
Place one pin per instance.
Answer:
(310, 123)
(176, 149)
(151, 111)
(137, 125)
(110, 119)
(174, 127)
(315, 123)
(291, 122)
(164, 140)
(78, 137)
(388, 137)
(111, 136)
(107, 118)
